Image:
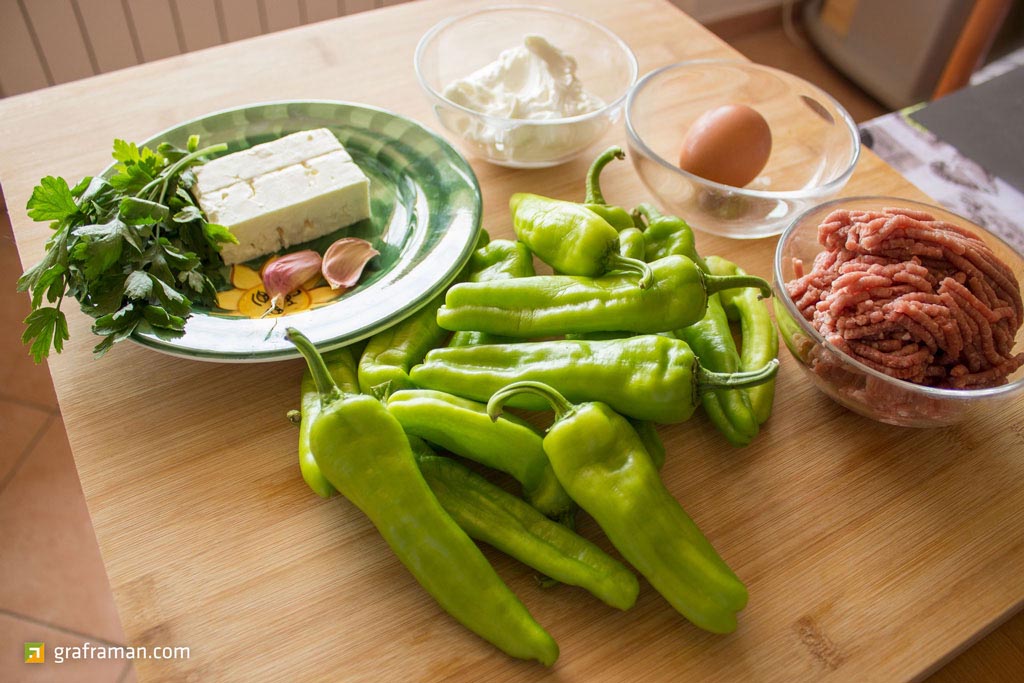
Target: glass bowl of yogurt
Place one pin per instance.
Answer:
(525, 86)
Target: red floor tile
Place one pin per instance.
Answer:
(50, 568)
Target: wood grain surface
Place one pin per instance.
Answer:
(871, 553)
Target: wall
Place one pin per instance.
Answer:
(46, 42)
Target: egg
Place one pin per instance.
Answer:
(728, 145)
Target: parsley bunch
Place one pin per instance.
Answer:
(134, 249)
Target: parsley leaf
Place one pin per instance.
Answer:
(135, 211)
(170, 249)
(216, 234)
(55, 255)
(128, 153)
(82, 186)
(51, 200)
(47, 283)
(172, 299)
(157, 316)
(188, 214)
(98, 247)
(47, 327)
(138, 285)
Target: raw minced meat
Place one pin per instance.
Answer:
(916, 298)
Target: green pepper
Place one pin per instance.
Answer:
(572, 239)
(490, 514)
(616, 216)
(462, 427)
(666, 235)
(631, 243)
(363, 452)
(552, 305)
(759, 342)
(650, 377)
(728, 409)
(389, 354)
(710, 338)
(342, 367)
(649, 437)
(498, 260)
(603, 465)
(421, 449)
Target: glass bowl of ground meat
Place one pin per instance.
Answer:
(902, 311)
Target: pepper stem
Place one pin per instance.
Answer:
(717, 283)
(632, 265)
(559, 403)
(648, 211)
(708, 380)
(594, 195)
(325, 384)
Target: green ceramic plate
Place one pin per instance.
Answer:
(425, 205)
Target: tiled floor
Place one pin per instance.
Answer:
(53, 587)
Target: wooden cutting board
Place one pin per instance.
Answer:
(870, 552)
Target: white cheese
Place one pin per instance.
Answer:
(267, 157)
(275, 195)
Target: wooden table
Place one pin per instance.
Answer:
(870, 552)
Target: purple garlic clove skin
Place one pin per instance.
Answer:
(344, 261)
(286, 274)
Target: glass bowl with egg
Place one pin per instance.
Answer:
(736, 148)
(901, 311)
(525, 86)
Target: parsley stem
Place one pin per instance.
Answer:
(173, 169)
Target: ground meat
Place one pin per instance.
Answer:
(913, 297)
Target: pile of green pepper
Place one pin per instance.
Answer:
(632, 330)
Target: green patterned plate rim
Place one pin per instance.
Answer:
(426, 211)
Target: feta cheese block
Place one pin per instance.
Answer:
(269, 156)
(280, 193)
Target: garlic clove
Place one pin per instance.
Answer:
(287, 273)
(344, 261)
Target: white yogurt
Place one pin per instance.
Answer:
(532, 82)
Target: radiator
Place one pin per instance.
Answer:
(46, 42)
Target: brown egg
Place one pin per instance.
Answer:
(728, 145)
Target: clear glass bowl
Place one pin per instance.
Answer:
(458, 46)
(853, 384)
(815, 144)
